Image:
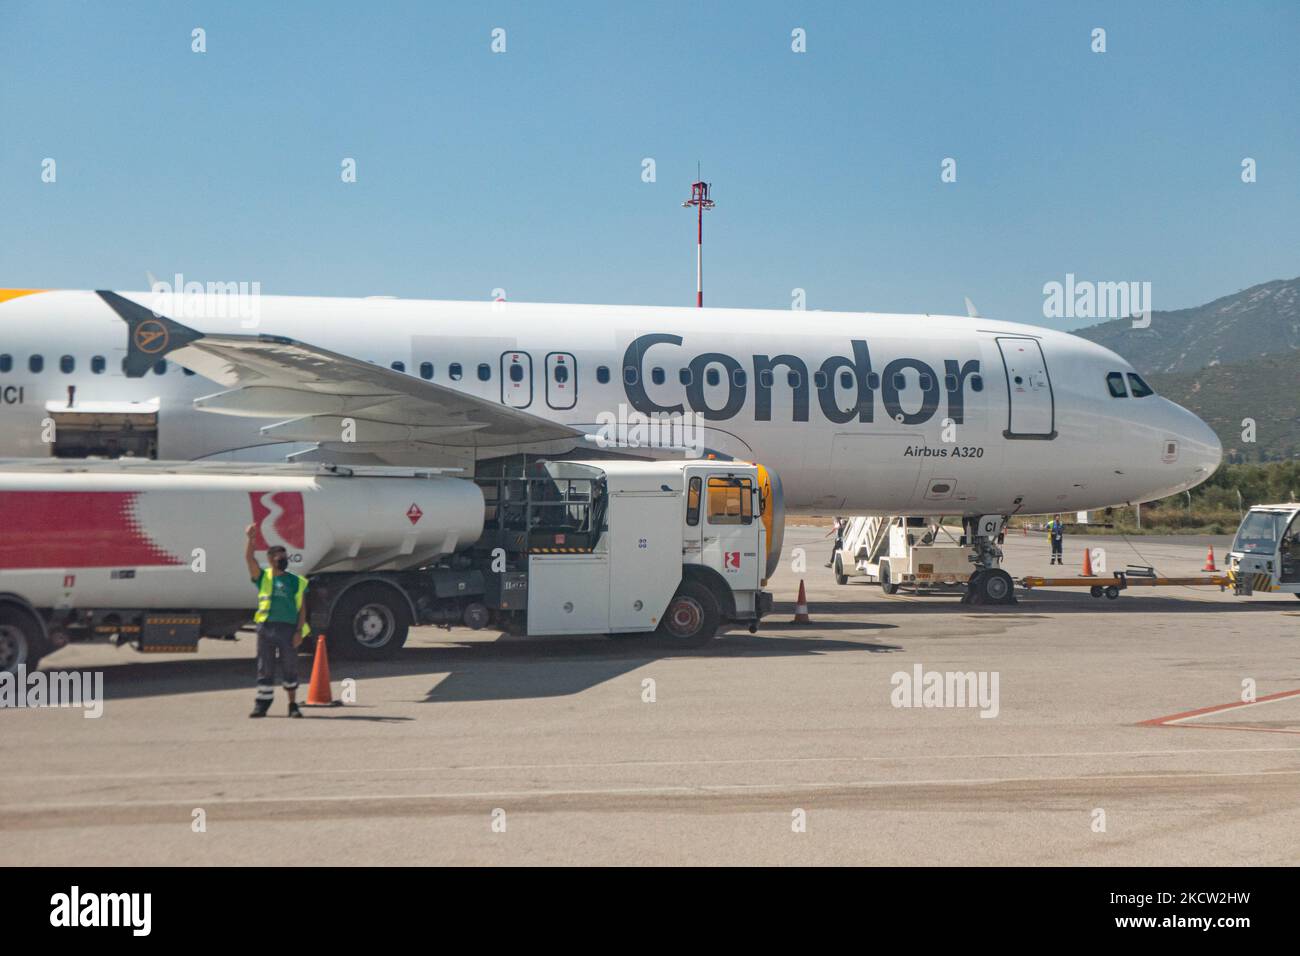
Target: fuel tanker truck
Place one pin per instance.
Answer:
(150, 553)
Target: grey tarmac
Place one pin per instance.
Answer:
(555, 739)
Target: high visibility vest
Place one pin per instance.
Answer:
(264, 597)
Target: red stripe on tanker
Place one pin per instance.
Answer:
(62, 529)
(132, 540)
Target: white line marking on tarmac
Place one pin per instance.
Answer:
(629, 764)
(699, 790)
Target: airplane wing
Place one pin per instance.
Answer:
(315, 395)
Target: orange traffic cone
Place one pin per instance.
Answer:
(801, 606)
(318, 692)
(1209, 560)
(1087, 564)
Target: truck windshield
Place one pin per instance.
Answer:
(731, 501)
(1260, 532)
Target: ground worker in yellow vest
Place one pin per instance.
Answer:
(281, 620)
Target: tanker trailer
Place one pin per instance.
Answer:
(152, 553)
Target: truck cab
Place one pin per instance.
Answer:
(625, 547)
(1265, 554)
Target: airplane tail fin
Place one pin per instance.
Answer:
(149, 336)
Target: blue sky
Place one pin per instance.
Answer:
(522, 170)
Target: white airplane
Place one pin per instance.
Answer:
(855, 412)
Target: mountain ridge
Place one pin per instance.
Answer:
(1261, 320)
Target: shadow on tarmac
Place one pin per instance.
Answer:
(1044, 602)
(505, 669)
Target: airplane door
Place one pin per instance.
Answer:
(1031, 409)
(516, 379)
(561, 380)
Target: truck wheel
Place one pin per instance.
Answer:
(885, 584)
(475, 616)
(21, 641)
(840, 576)
(370, 622)
(692, 617)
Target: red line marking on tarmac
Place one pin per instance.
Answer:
(1176, 720)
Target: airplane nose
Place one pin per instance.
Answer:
(1199, 446)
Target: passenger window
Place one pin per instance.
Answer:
(793, 379)
(1115, 382)
(950, 382)
(67, 364)
(1139, 388)
(731, 501)
(97, 364)
(738, 376)
(873, 381)
(602, 374)
(765, 378)
(926, 382)
(561, 374)
(399, 366)
(712, 377)
(6, 362)
(426, 370)
(454, 371)
(629, 374)
(516, 372)
(485, 372)
(900, 381)
(693, 503)
(977, 383)
(657, 376)
(820, 379)
(685, 376)
(35, 363)
(846, 380)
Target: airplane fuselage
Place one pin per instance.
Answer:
(856, 412)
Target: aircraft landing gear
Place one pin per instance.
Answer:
(988, 584)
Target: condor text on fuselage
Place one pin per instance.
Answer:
(890, 383)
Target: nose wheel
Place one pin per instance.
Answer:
(990, 586)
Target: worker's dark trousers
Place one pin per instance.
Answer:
(1056, 550)
(275, 641)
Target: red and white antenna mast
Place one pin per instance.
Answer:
(701, 201)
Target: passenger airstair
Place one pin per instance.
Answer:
(865, 539)
(903, 551)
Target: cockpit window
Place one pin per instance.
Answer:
(1139, 388)
(1115, 382)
